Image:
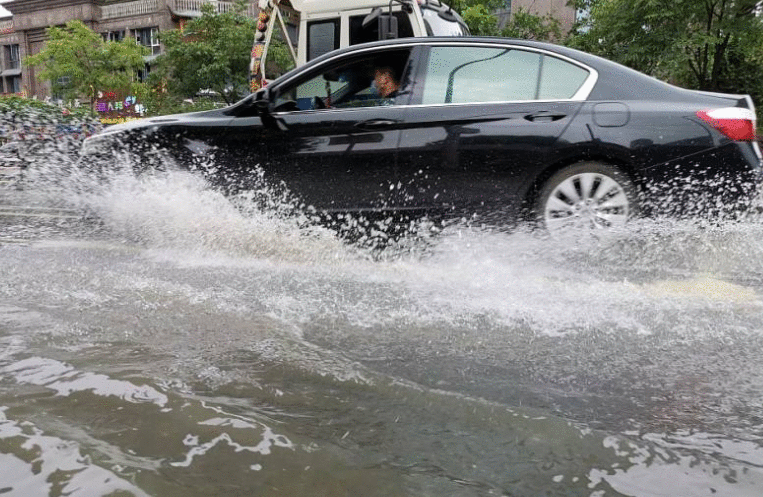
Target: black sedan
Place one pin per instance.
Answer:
(500, 129)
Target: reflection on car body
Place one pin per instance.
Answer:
(494, 127)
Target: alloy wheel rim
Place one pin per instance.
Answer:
(588, 201)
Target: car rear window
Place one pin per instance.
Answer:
(488, 74)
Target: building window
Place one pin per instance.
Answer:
(117, 36)
(61, 87)
(143, 73)
(12, 57)
(149, 37)
(13, 84)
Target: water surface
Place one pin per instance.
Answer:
(159, 339)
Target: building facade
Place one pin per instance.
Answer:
(24, 33)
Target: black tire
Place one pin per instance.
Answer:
(586, 195)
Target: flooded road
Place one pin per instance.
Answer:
(156, 339)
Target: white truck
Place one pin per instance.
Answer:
(316, 27)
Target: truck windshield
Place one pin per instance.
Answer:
(437, 25)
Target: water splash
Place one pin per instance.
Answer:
(179, 211)
(424, 277)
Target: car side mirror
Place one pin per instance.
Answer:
(264, 108)
(262, 101)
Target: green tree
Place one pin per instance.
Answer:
(489, 5)
(532, 27)
(482, 21)
(212, 52)
(700, 44)
(78, 55)
(279, 58)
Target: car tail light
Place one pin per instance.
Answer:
(736, 123)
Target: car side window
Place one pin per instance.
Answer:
(496, 74)
(560, 79)
(315, 93)
(480, 74)
(352, 83)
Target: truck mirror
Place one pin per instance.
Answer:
(388, 27)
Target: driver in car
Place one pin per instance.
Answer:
(386, 82)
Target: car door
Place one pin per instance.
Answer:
(485, 118)
(333, 139)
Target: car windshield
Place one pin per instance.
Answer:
(438, 26)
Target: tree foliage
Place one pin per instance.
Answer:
(279, 58)
(25, 110)
(702, 44)
(532, 27)
(211, 52)
(79, 62)
(487, 5)
(482, 21)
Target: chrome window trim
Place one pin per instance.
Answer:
(581, 95)
(414, 106)
(341, 109)
(493, 102)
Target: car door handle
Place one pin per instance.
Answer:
(374, 124)
(545, 116)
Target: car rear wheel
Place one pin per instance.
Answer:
(587, 196)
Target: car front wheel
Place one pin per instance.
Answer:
(588, 196)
